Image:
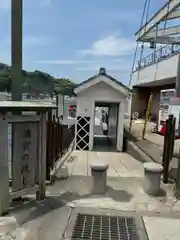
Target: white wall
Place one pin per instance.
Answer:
(112, 123)
(116, 123)
(127, 107)
(102, 92)
(164, 69)
(120, 127)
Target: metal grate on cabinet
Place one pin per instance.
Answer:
(98, 227)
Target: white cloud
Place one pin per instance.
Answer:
(5, 4)
(77, 62)
(111, 46)
(36, 40)
(109, 67)
(28, 41)
(64, 62)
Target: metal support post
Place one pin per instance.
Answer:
(167, 148)
(172, 137)
(165, 143)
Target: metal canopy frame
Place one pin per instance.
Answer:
(150, 32)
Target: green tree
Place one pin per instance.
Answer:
(33, 82)
(64, 86)
(36, 82)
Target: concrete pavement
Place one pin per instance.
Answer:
(48, 219)
(120, 164)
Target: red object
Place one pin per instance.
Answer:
(70, 108)
(163, 129)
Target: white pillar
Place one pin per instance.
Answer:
(60, 105)
(4, 171)
(92, 123)
(120, 129)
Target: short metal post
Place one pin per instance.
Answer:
(172, 137)
(165, 142)
(167, 153)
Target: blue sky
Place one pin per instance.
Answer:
(73, 38)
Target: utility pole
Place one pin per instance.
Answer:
(16, 68)
(16, 48)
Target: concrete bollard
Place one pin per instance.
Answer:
(152, 178)
(99, 173)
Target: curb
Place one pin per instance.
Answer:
(60, 163)
(135, 151)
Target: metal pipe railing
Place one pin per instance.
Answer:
(159, 55)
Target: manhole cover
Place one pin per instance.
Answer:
(100, 227)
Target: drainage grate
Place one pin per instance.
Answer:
(99, 227)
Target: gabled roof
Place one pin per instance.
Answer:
(102, 72)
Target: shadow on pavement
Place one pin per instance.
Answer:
(29, 209)
(162, 193)
(66, 192)
(119, 195)
(103, 144)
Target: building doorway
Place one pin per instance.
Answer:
(105, 126)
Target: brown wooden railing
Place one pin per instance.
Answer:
(59, 138)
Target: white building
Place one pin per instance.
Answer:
(104, 91)
(158, 70)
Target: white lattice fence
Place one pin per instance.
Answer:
(82, 133)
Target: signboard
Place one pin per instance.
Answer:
(60, 105)
(165, 98)
(24, 155)
(163, 114)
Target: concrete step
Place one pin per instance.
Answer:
(146, 151)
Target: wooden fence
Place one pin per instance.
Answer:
(59, 138)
